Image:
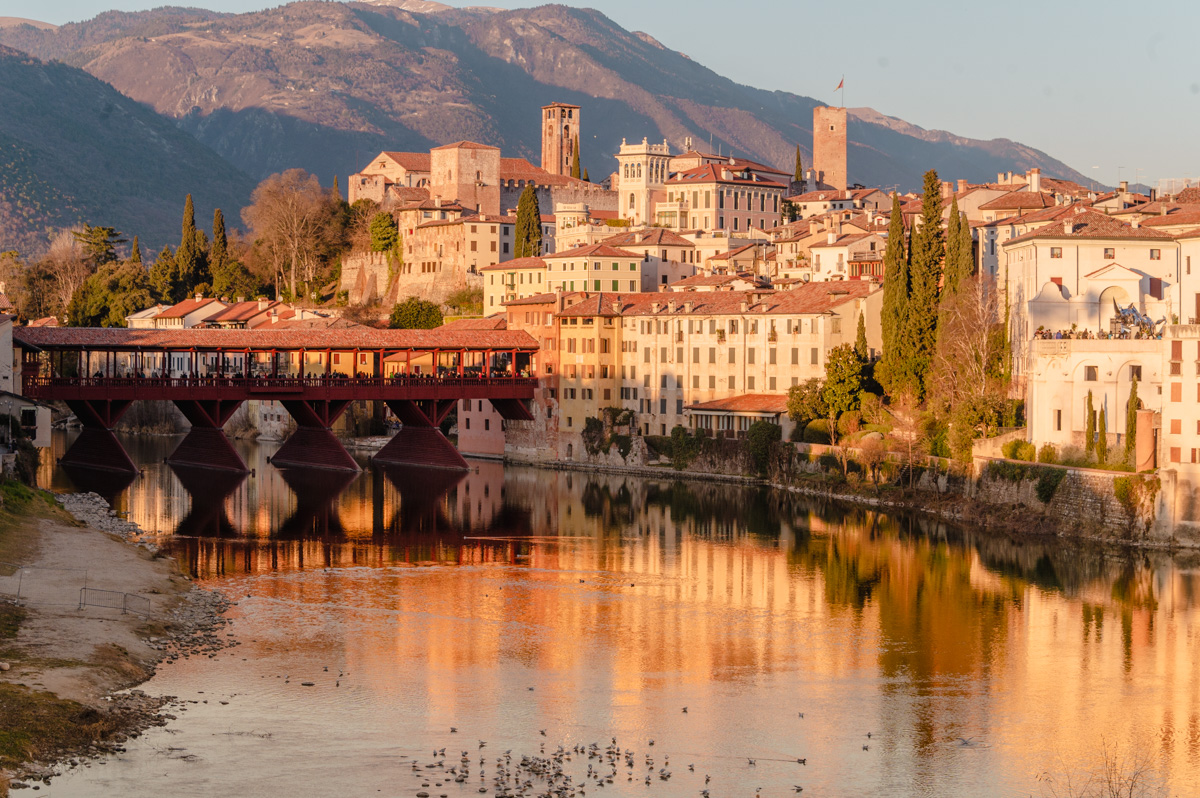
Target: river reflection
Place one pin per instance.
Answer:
(444, 598)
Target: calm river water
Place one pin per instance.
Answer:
(531, 608)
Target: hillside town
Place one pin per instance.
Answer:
(698, 293)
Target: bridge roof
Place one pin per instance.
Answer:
(119, 338)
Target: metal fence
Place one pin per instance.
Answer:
(114, 600)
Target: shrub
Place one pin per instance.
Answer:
(829, 462)
(1027, 452)
(1009, 450)
(1047, 484)
(759, 438)
(817, 431)
(849, 423)
(1047, 454)
(1073, 456)
(592, 435)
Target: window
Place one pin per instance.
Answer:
(1090, 373)
(795, 356)
(1135, 373)
(1176, 426)
(1156, 254)
(1056, 252)
(1058, 421)
(1110, 253)
(815, 357)
(1175, 450)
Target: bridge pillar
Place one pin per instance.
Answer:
(97, 446)
(313, 444)
(420, 441)
(205, 445)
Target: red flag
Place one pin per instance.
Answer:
(841, 83)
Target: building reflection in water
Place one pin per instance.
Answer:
(613, 585)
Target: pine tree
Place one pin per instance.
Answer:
(925, 255)
(1131, 411)
(528, 243)
(799, 173)
(135, 254)
(575, 158)
(1102, 438)
(860, 342)
(1090, 428)
(895, 294)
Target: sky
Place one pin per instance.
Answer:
(1110, 88)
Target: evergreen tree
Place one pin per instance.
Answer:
(575, 158)
(950, 276)
(1131, 409)
(528, 235)
(135, 254)
(843, 381)
(860, 342)
(586, 179)
(966, 251)
(799, 173)
(925, 255)
(337, 188)
(1090, 429)
(191, 261)
(895, 295)
(415, 314)
(219, 253)
(1102, 438)
(384, 233)
(99, 244)
(163, 276)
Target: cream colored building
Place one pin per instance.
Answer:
(597, 267)
(642, 170)
(657, 353)
(511, 280)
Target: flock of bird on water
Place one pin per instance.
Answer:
(547, 776)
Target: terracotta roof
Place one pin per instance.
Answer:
(408, 193)
(441, 222)
(45, 321)
(515, 263)
(287, 322)
(430, 204)
(181, 309)
(536, 299)
(846, 240)
(358, 337)
(411, 161)
(1188, 215)
(1189, 196)
(5, 304)
(709, 279)
(653, 237)
(738, 163)
(1017, 200)
(241, 311)
(464, 145)
(494, 322)
(1090, 224)
(826, 195)
(521, 169)
(733, 253)
(711, 173)
(746, 403)
(593, 251)
(808, 299)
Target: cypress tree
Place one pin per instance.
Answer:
(925, 255)
(586, 179)
(135, 254)
(895, 292)
(950, 275)
(860, 342)
(528, 235)
(575, 159)
(1090, 429)
(799, 173)
(1102, 438)
(337, 188)
(191, 267)
(1131, 420)
(966, 250)
(218, 255)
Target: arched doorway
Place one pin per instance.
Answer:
(1111, 298)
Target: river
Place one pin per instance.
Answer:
(529, 608)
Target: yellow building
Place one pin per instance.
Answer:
(510, 280)
(596, 267)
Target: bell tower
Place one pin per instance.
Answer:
(560, 137)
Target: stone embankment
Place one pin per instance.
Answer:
(91, 509)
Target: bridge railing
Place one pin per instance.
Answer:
(32, 383)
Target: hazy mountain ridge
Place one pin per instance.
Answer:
(74, 149)
(326, 85)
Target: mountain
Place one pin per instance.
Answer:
(325, 86)
(72, 149)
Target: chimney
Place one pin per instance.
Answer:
(831, 238)
(837, 225)
(616, 306)
(1136, 223)
(689, 305)
(437, 202)
(813, 227)
(745, 305)
(199, 296)
(946, 190)
(870, 216)
(655, 307)
(962, 185)
(1068, 227)
(262, 304)
(726, 174)
(670, 306)
(999, 177)
(1162, 209)
(1034, 178)
(1124, 186)
(241, 299)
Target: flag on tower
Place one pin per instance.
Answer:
(841, 83)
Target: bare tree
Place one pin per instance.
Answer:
(907, 432)
(1113, 774)
(293, 219)
(873, 451)
(965, 365)
(67, 267)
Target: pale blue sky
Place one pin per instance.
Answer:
(1096, 84)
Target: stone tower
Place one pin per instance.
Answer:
(560, 136)
(642, 169)
(829, 147)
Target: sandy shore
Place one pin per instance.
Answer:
(64, 663)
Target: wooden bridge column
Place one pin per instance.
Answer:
(205, 445)
(313, 444)
(420, 441)
(97, 446)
